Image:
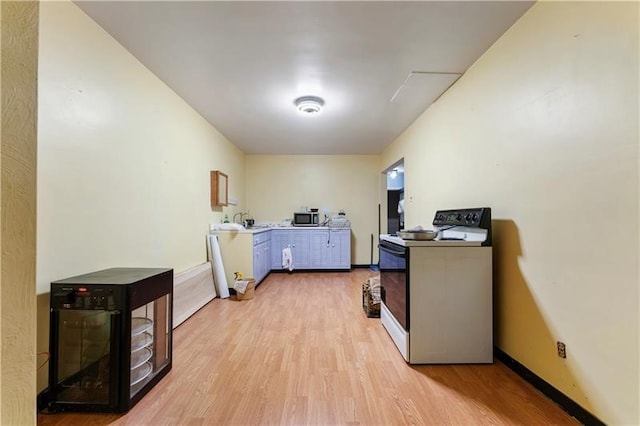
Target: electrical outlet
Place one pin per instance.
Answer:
(562, 349)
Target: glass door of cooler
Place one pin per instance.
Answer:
(150, 342)
(110, 338)
(84, 367)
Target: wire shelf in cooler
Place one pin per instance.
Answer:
(140, 325)
(141, 356)
(140, 373)
(140, 341)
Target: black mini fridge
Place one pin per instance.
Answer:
(110, 338)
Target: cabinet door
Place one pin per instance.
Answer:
(300, 249)
(266, 258)
(257, 269)
(279, 240)
(261, 261)
(340, 249)
(320, 249)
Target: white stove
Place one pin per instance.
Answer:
(437, 294)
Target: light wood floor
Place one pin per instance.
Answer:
(303, 352)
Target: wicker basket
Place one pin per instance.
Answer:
(371, 302)
(249, 292)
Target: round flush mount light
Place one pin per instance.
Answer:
(309, 105)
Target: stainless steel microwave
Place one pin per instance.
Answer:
(306, 219)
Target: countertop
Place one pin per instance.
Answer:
(260, 229)
(432, 243)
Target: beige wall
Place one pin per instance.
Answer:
(18, 68)
(123, 162)
(544, 129)
(278, 185)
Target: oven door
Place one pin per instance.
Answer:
(394, 279)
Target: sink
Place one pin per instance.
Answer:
(261, 226)
(229, 227)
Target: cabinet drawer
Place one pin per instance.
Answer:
(262, 237)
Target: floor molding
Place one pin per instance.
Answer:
(566, 403)
(367, 266)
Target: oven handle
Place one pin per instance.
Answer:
(390, 248)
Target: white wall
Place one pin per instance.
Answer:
(544, 129)
(278, 185)
(123, 162)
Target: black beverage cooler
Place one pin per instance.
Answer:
(110, 338)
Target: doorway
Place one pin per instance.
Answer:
(395, 197)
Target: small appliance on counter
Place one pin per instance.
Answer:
(286, 222)
(308, 218)
(339, 221)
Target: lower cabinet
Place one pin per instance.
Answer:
(331, 249)
(261, 255)
(256, 254)
(298, 240)
(318, 248)
(279, 241)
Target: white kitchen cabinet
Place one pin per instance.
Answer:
(312, 248)
(298, 240)
(279, 241)
(340, 248)
(331, 249)
(300, 248)
(256, 253)
(320, 249)
(261, 255)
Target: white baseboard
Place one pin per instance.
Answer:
(192, 289)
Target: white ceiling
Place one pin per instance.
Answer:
(378, 65)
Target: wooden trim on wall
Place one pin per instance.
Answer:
(18, 151)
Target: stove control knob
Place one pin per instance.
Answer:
(459, 217)
(467, 217)
(475, 217)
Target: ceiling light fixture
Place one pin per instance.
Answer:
(393, 173)
(309, 105)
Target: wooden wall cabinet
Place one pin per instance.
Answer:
(219, 189)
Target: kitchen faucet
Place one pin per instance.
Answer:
(241, 215)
